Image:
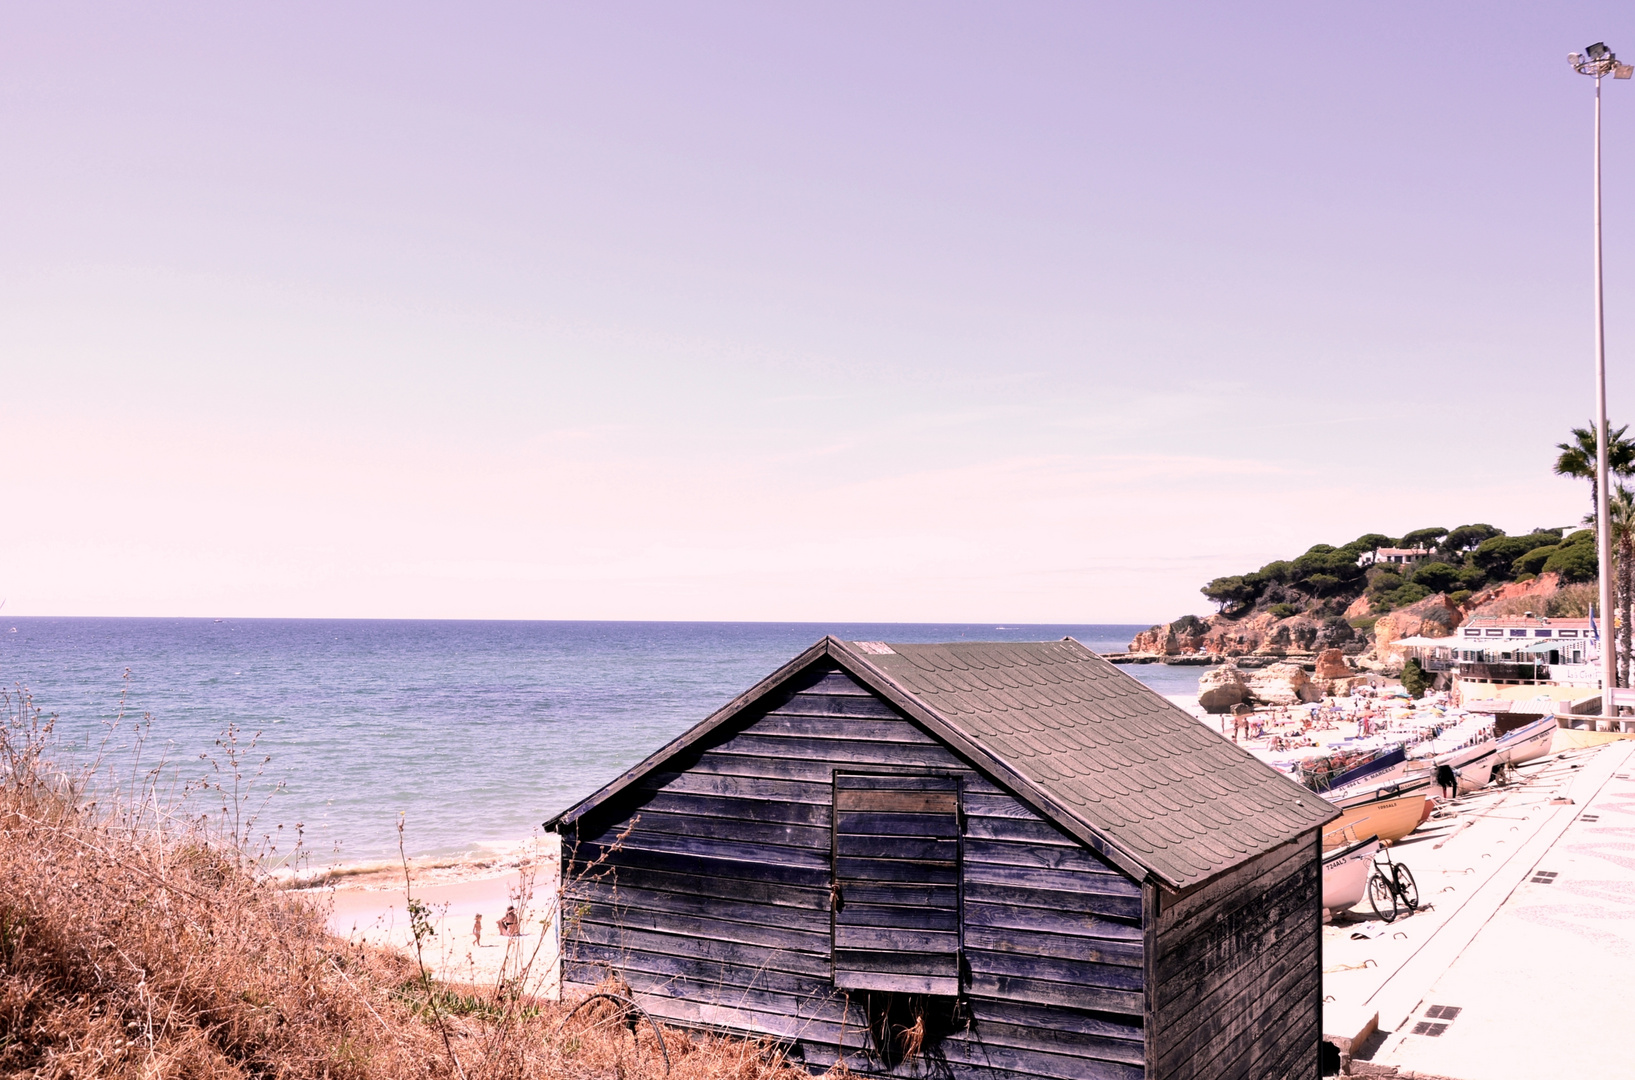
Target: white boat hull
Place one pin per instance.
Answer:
(1345, 874)
(1477, 773)
(1528, 743)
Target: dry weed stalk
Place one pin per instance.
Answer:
(137, 940)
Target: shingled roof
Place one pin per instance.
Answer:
(1105, 757)
(1112, 752)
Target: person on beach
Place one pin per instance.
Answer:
(1448, 782)
(477, 930)
(510, 925)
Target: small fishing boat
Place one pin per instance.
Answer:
(1527, 743)
(1388, 811)
(1472, 761)
(1475, 771)
(1345, 873)
(1386, 763)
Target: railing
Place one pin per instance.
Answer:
(1503, 671)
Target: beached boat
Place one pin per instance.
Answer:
(1472, 762)
(1379, 765)
(1474, 771)
(1389, 811)
(1527, 743)
(1345, 873)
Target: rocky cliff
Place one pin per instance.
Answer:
(1262, 633)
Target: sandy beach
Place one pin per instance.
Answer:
(369, 904)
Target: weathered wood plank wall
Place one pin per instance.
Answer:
(716, 905)
(1238, 971)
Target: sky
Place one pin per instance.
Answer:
(899, 312)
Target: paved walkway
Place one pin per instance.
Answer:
(1513, 949)
(1547, 987)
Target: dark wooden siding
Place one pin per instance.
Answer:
(1237, 972)
(715, 907)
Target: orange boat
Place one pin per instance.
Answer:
(1390, 811)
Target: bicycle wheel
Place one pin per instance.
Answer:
(1382, 897)
(1406, 887)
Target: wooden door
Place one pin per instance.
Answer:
(896, 883)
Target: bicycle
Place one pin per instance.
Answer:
(1385, 890)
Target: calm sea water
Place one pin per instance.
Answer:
(475, 731)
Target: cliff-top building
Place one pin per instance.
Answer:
(1394, 556)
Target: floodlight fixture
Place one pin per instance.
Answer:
(1598, 61)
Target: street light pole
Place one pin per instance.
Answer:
(1599, 61)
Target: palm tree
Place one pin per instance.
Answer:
(1578, 459)
(1621, 509)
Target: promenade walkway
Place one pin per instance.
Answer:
(1531, 920)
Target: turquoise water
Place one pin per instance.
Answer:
(474, 731)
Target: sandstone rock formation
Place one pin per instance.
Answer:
(1434, 616)
(1221, 688)
(1282, 684)
(1260, 634)
(1331, 665)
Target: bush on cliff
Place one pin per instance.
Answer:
(1573, 558)
(1574, 562)
(1325, 580)
(1436, 576)
(1403, 595)
(1497, 556)
(1415, 679)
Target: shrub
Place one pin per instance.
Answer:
(1232, 591)
(1283, 611)
(1404, 595)
(1468, 538)
(1365, 624)
(1532, 563)
(1423, 538)
(1415, 680)
(1497, 555)
(1459, 596)
(1188, 624)
(1574, 562)
(1571, 601)
(1366, 543)
(1436, 576)
(1382, 581)
(1322, 584)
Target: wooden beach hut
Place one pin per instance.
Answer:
(1002, 859)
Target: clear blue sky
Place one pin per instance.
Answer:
(823, 311)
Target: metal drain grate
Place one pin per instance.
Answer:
(1544, 877)
(1443, 1012)
(1433, 1030)
(1589, 817)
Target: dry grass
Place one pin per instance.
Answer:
(137, 944)
(1567, 602)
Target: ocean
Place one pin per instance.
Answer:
(475, 732)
